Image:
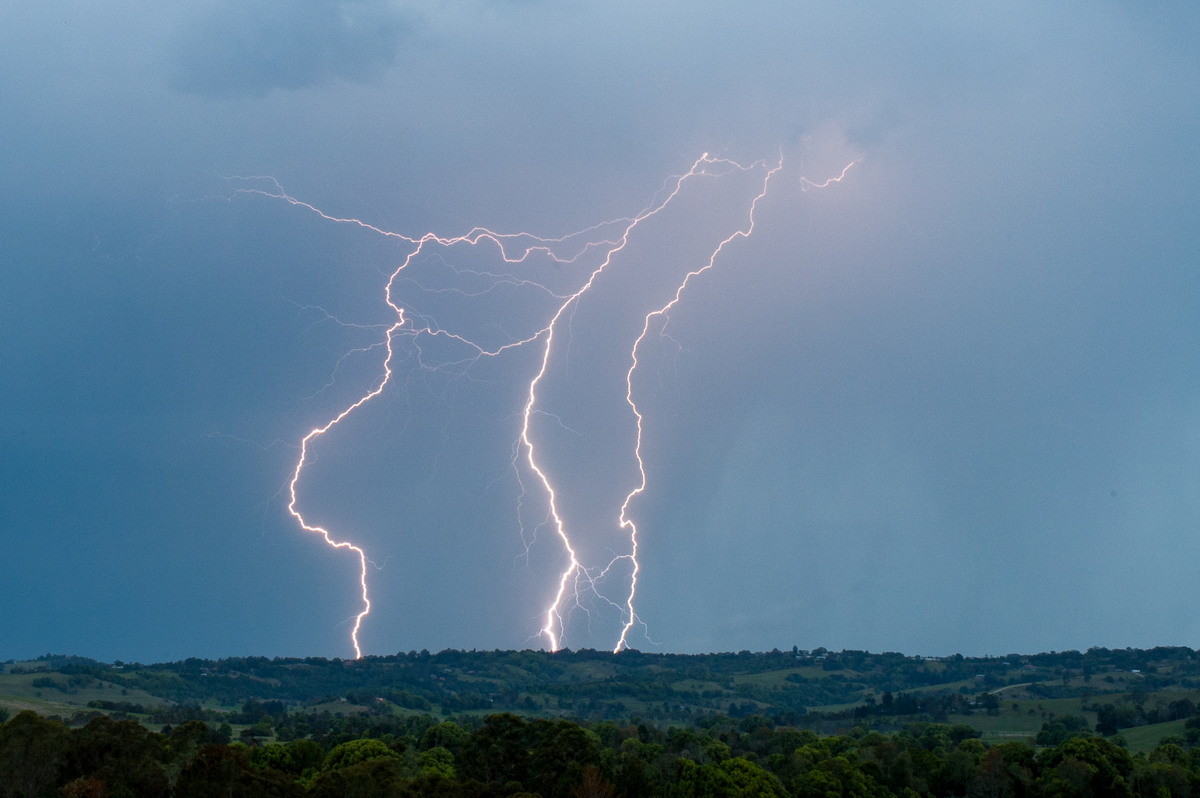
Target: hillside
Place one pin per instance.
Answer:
(1013, 697)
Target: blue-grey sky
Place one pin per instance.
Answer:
(950, 404)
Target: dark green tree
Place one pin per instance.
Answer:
(122, 754)
(497, 751)
(33, 752)
(377, 777)
(221, 771)
(1085, 766)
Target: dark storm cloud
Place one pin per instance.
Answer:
(951, 404)
(251, 49)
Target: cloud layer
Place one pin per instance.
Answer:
(951, 405)
(250, 49)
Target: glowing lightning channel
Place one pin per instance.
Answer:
(402, 324)
(523, 246)
(624, 521)
(322, 531)
(553, 628)
(807, 184)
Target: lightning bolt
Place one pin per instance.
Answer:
(807, 184)
(552, 630)
(623, 519)
(608, 240)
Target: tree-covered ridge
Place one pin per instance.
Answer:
(819, 689)
(795, 723)
(506, 755)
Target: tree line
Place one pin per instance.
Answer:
(506, 755)
(597, 686)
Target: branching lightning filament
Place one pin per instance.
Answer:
(605, 243)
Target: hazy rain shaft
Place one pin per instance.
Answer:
(947, 404)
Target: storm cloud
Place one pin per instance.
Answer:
(252, 48)
(949, 404)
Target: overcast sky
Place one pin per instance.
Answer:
(949, 404)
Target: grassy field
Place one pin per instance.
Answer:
(1146, 738)
(19, 691)
(778, 678)
(15, 704)
(1008, 726)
